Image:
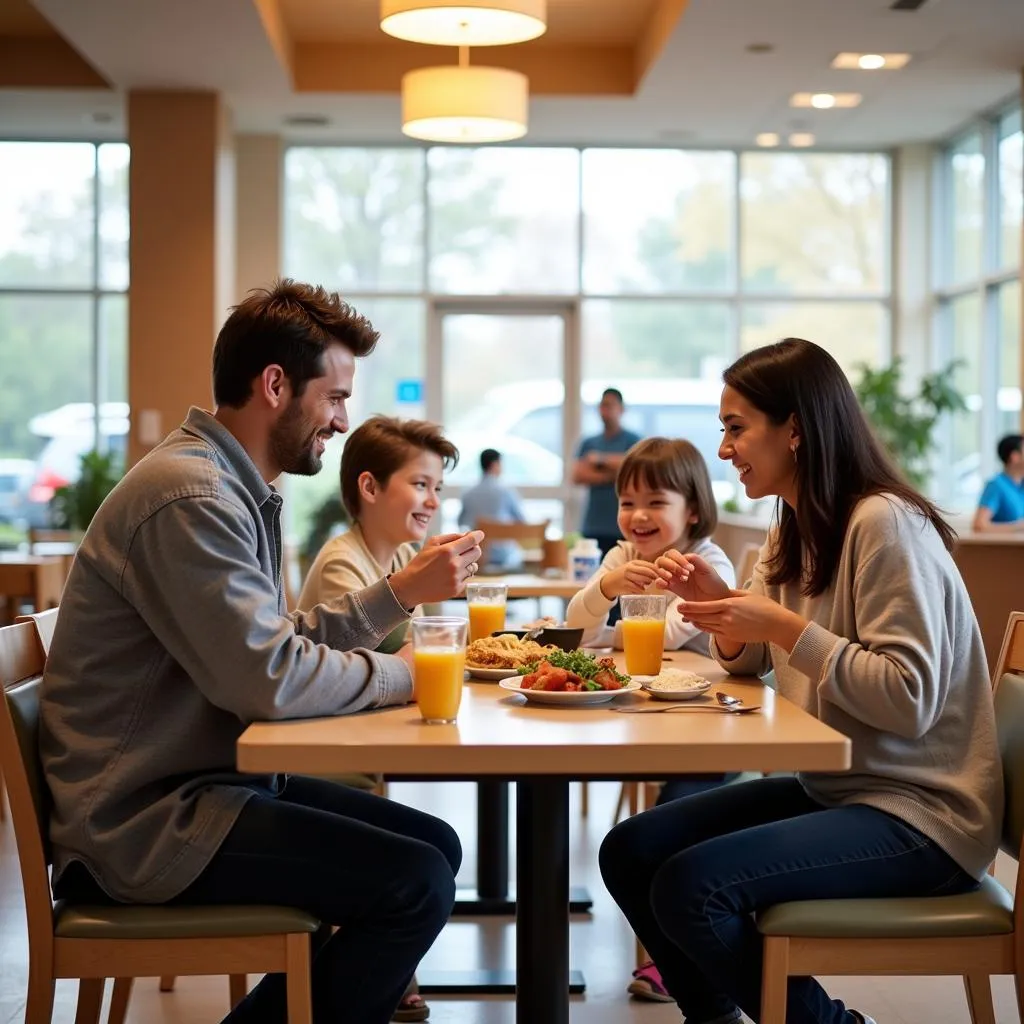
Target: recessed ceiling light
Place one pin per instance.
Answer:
(825, 100)
(767, 139)
(801, 140)
(871, 61)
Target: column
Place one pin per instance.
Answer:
(181, 251)
(259, 161)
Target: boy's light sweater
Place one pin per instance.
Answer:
(590, 608)
(892, 657)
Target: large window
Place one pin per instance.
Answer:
(978, 297)
(63, 315)
(662, 265)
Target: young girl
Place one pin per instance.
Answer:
(858, 608)
(665, 503)
(391, 479)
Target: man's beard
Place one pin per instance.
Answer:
(292, 447)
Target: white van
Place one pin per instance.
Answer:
(523, 421)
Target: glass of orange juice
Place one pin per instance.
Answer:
(439, 664)
(486, 608)
(643, 632)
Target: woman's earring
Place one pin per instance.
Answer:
(793, 449)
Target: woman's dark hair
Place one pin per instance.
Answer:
(838, 462)
(289, 324)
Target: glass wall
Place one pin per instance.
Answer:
(977, 271)
(63, 317)
(663, 264)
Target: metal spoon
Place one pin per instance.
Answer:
(720, 709)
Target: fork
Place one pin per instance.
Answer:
(733, 706)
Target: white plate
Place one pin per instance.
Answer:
(685, 690)
(492, 675)
(578, 698)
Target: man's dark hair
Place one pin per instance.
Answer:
(488, 457)
(1008, 445)
(613, 393)
(290, 324)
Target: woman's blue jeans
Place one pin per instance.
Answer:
(690, 874)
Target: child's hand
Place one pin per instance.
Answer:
(632, 578)
(690, 577)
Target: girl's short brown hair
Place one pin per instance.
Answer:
(672, 464)
(382, 446)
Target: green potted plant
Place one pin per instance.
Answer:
(74, 505)
(905, 422)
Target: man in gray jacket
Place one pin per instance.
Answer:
(173, 636)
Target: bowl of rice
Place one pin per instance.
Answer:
(674, 684)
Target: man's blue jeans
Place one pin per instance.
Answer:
(689, 874)
(382, 872)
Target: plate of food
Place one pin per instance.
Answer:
(674, 684)
(570, 679)
(499, 657)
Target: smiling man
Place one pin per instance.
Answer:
(173, 636)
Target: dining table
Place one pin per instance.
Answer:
(501, 736)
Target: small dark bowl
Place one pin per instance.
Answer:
(560, 636)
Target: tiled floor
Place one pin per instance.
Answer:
(602, 947)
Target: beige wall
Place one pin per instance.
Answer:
(181, 177)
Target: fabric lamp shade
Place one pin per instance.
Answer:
(468, 104)
(465, 22)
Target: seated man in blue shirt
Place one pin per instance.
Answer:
(1001, 506)
(491, 499)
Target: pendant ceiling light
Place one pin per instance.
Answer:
(464, 104)
(464, 22)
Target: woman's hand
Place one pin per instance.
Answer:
(744, 617)
(632, 578)
(690, 577)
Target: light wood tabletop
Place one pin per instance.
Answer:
(499, 734)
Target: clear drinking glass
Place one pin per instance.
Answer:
(439, 664)
(486, 603)
(643, 632)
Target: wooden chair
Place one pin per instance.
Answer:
(974, 935)
(93, 943)
(745, 566)
(529, 536)
(238, 984)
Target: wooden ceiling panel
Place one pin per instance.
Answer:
(19, 18)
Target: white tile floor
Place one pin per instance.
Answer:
(602, 947)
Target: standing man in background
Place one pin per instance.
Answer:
(596, 466)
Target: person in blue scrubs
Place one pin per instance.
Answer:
(1001, 506)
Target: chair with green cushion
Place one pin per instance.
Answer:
(93, 943)
(973, 935)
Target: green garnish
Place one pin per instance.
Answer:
(583, 664)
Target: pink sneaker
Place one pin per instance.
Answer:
(647, 984)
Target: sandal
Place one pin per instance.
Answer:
(647, 984)
(412, 1007)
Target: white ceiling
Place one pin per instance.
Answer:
(706, 89)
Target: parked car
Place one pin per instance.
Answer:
(524, 422)
(15, 481)
(70, 430)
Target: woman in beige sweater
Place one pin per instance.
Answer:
(858, 608)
